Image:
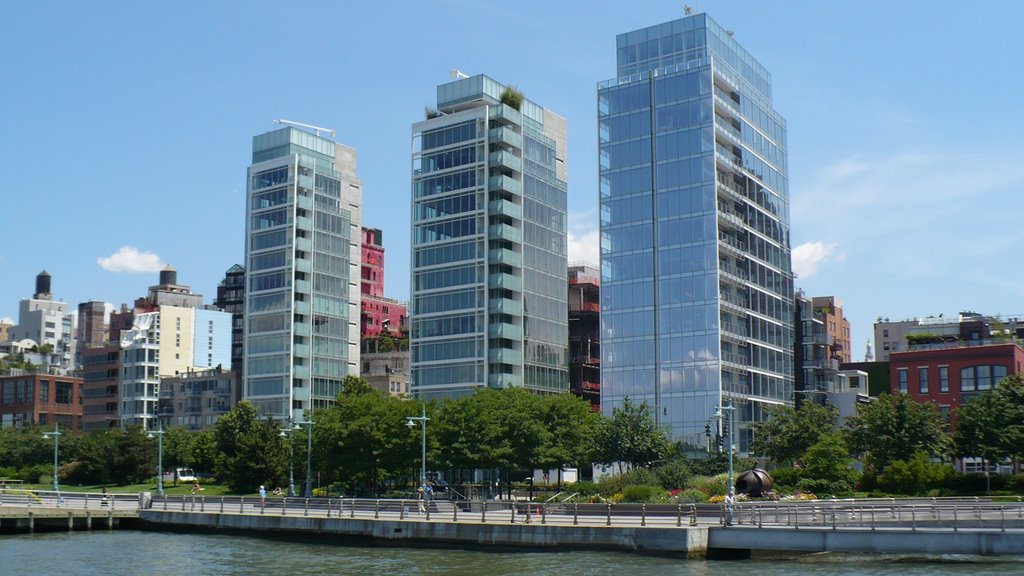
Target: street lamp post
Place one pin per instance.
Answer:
(308, 423)
(287, 433)
(422, 419)
(730, 497)
(159, 458)
(56, 446)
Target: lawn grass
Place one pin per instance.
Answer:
(169, 488)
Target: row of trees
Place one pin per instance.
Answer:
(894, 437)
(361, 442)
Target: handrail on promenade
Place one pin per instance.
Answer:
(950, 514)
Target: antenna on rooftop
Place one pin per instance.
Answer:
(457, 74)
(687, 10)
(310, 126)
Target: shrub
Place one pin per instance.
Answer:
(785, 477)
(642, 493)
(584, 488)
(673, 474)
(824, 487)
(692, 495)
(512, 97)
(710, 485)
(913, 477)
(640, 476)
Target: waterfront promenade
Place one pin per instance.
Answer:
(917, 526)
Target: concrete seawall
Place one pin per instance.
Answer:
(688, 542)
(971, 542)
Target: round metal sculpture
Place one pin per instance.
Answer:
(754, 482)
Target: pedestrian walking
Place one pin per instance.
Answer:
(263, 495)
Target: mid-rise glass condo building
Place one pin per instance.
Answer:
(697, 286)
(488, 243)
(302, 272)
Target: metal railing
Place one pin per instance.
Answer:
(936, 514)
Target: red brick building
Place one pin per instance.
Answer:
(28, 399)
(949, 376)
(378, 313)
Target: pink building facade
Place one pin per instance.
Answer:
(379, 314)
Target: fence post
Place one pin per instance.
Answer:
(543, 513)
(426, 505)
(693, 514)
(913, 519)
(609, 521)
(575, 513)
(643, 514)
(305, 507)
(376, 509)
(513, 521)
(240, 503)
(483, 512)
(352, 512)
(221, 504)
(284, 506)
(455, 513)
(679, 514)
(955, 526)
(341, 502)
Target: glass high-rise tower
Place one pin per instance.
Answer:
(697, 285)
(488, 243)
(302, 298)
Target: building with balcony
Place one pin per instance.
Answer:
(195, 400)
(302, 299)
(585, 333)
(488, 256)
(380, 315)
(168, 335)
(39, 399)
(100, 384)
(696, 279)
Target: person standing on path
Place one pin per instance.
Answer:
(263, 495)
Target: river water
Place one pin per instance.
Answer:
(158, 554)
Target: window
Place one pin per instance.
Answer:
(62, 393)
(902, 377)
(943, 379)
(44, 391)
(922, 379)
(982, 377)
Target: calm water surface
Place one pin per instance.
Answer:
(131, 552)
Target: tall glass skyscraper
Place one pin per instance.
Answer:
(697, 286)
(302, 280)
(488, 243)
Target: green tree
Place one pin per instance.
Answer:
(362, 440)
(633, 437)
(251, 450)
(571, 432)
(789, 432)
(991, 424)
(204, 453)
(895, 427)
(828, 462)
(352, 385)
(492, 429)
(177, 449)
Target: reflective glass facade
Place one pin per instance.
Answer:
(488, 245)
(697, 284)
(302, 251)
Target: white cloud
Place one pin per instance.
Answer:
(130, 259)
(809, 255)
(585, 247)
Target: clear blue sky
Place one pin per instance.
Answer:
(130, 124)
